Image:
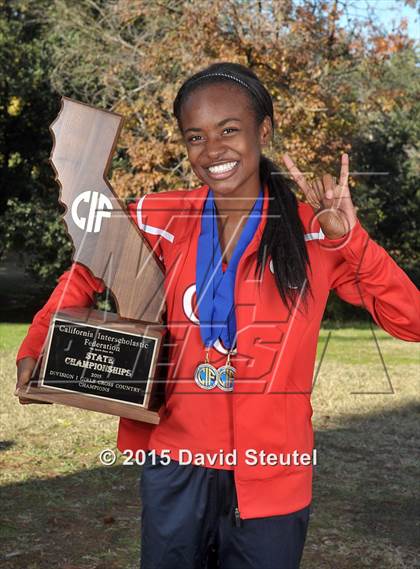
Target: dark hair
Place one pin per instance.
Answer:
(283, 236)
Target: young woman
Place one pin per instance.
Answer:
(249, 269)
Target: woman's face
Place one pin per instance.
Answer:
(223, 140)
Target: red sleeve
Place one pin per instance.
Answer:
(76, 287)
(156, 216)
(151, 218)
(364, 274)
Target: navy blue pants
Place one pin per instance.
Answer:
(189, 522)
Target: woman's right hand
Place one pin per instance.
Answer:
(25, 367)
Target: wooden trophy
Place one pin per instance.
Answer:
(93, 359)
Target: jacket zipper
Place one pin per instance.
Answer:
(237, 513)
(238, 521)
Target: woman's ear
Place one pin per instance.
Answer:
(266, 131)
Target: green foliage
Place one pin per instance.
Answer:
(29, 221)
(387, 150)
(35, 230)
(27, 103)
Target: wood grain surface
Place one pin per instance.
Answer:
(106, 240)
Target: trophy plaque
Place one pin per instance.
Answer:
(94, 359)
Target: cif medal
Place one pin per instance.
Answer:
(206, 375)
(226, 376)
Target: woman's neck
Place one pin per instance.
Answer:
(232, 216)
(235, 205)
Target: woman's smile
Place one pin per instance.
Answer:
(223, 170)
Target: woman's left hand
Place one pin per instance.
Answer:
(331, 202)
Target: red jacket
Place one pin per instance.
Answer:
(269, 409)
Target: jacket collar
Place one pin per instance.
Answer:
(256, 240)
(199, 196)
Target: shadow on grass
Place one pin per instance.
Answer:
(86, 520)
(6, 445)
(366, 504)
(364, 509)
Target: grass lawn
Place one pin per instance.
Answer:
(62, 510)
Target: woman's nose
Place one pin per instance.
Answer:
(214, 149)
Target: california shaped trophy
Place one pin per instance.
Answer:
(94, 359)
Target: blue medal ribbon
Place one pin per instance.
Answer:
(215, 288)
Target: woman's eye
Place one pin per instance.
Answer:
(197, 137)
(193, 138)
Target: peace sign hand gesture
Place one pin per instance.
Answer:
(331, 201)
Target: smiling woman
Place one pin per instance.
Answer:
(226, 143)
(224, 147)
(226, 123)
(248, 272)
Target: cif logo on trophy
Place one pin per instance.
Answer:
(93, 359)
(98, 204)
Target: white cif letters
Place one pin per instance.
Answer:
(99, 204)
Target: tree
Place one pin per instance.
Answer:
(27, 104)
(28, 200)
(332, 85)
(387, 147)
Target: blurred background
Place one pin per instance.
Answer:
(344, 77)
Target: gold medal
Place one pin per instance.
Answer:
(226, 376)
(206, 375)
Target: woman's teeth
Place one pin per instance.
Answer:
(221, 168)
